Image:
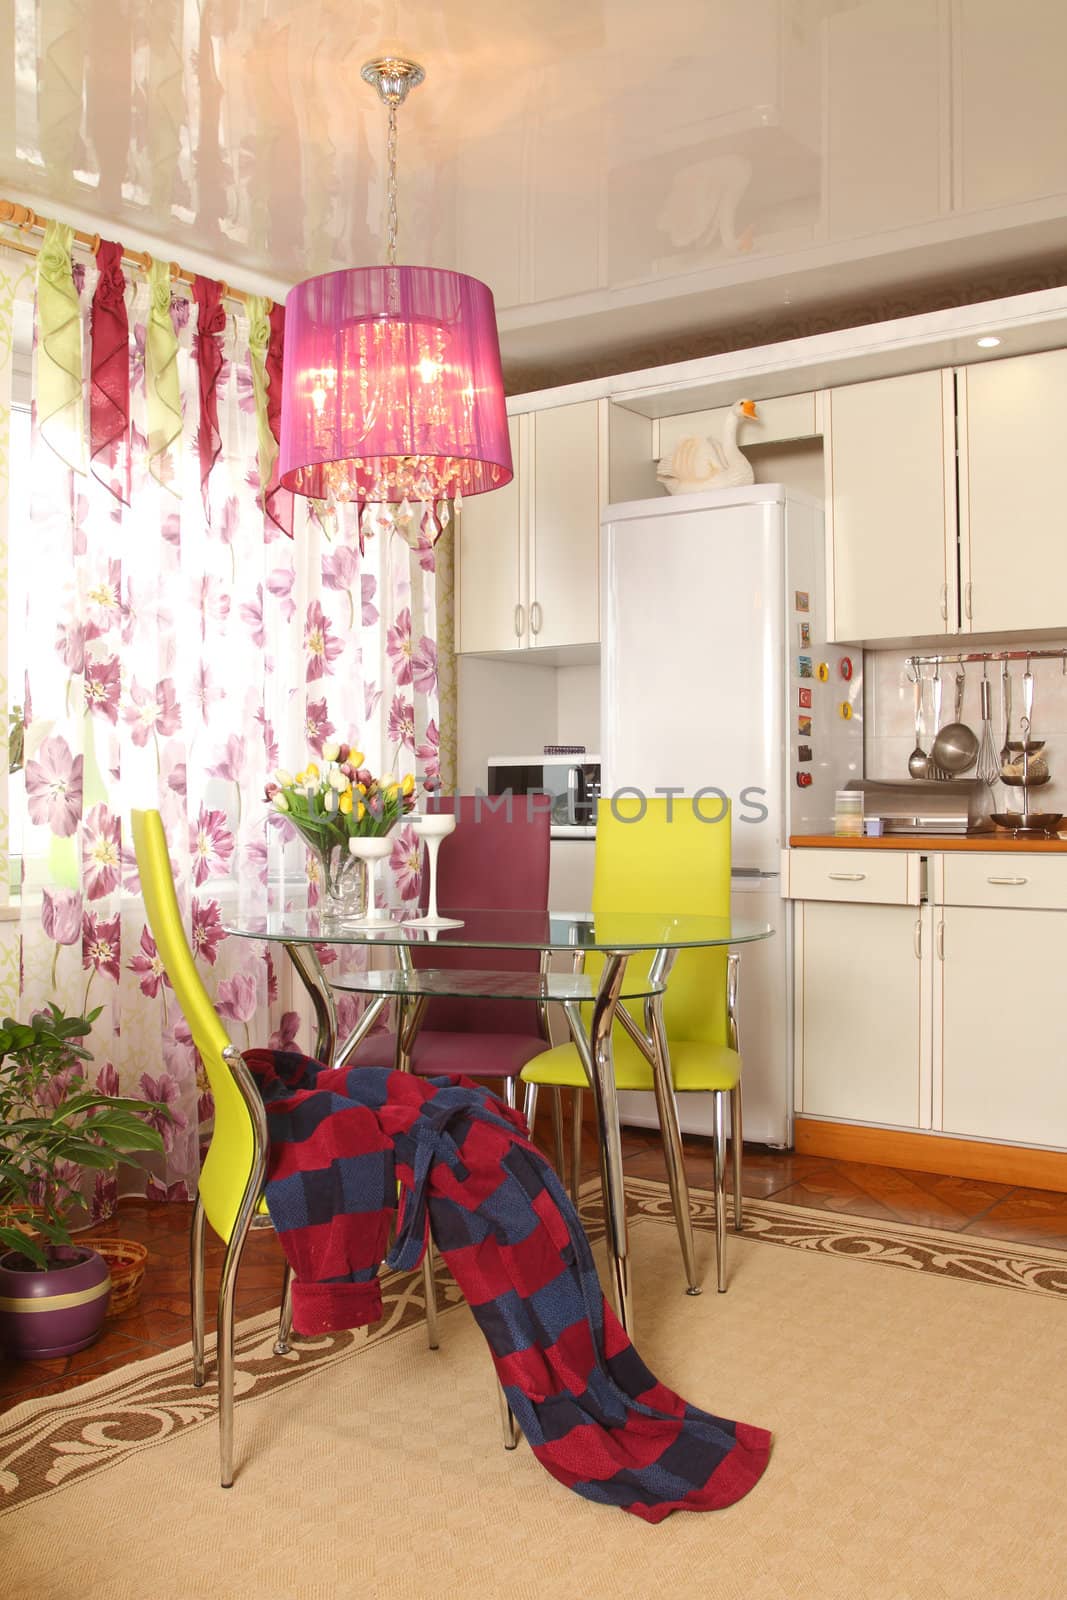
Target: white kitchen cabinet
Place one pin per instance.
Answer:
(886, 152)
(889, 454)
(944, 1017)
(1010, 109)
(528, 554)
(565, 501)
(1000, 1062)
(862, 1012)
(491, 565)
(1013, 525)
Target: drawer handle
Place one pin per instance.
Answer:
(535, 617)
(520, 621)
(1011, 881)
(847, 877)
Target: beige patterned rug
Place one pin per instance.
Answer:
(915, 1381)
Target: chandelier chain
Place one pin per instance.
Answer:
(392, 222)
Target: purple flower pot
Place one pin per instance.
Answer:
(55, 1311)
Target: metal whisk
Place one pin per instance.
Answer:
(988, 765)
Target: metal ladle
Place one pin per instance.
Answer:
(917, 761)
(956, 747)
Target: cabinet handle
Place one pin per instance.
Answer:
(847, 877)
(1011, 881)
(535, 617)
(941, 941)
(520, 621)
(968, 595)
(919, 939)
(944, 602)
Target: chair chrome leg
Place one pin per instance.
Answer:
(577, 1102)
(557, 1134)
(510, 1427)
(719, 1158)
(285, 1315)
(224, 1349)
(511, 1097)
(196, 1290)
(671, 1134)
(429, 1290)
(529, 1108)
(737, 1143)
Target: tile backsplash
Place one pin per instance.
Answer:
(889, 710)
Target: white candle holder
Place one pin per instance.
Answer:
(370, 849)
(432, 827)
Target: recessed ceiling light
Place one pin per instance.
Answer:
(989, 342)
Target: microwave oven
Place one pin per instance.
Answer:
(571, 784)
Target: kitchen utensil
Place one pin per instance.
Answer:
(1005, 695)
(1043, 823)
(932, 770)
(918, 760)
(956, 747)
(988, 768)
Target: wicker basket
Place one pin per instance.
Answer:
(126, 1262)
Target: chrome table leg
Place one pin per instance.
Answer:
(308, 969)
(285, 1315)
(577, 1102)
(598, 1060)
(429, 1287)
(512, 1434)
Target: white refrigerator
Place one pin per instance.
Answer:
(716, 674)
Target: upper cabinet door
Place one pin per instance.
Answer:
(493, 609)
(1013, 437)
(1009, 108)
(565, 523)
(891, 498)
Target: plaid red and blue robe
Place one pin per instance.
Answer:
(594, 1415)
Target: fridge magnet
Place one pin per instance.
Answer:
(804, 629)
(803, 600)
(805, 699)
(804, 727)
(844, 711)
(804, 780)
(803, 752)
(822, 672)
(844, 666)
(804, 666)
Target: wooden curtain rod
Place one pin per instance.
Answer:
(18, 216)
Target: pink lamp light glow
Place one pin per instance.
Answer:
(392, 388)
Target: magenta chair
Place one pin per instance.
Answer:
(493, 862)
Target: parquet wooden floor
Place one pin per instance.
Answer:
(161, 1320)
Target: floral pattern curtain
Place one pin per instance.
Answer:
(180, 647)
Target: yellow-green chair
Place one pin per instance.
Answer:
(230, 1187)
(669, 859)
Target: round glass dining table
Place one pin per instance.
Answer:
(618, 937)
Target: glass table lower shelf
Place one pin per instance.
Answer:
(568, 988)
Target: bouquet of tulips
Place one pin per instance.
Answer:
(339, 799)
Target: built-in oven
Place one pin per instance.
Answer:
(570, 785)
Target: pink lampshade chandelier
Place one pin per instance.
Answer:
(391, 387)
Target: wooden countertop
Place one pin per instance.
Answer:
(929, 842)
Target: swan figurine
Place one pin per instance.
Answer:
(706, 463)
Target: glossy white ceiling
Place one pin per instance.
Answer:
(620, 171)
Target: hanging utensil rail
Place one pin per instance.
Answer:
(942, 660)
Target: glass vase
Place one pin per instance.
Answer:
(342, 882)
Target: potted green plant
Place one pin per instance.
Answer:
(54, 1293)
